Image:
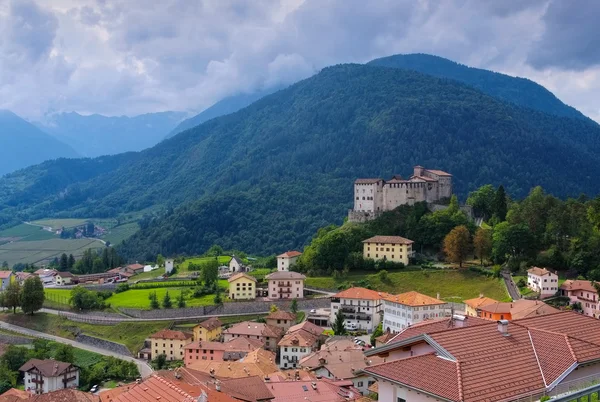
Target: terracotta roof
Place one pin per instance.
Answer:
(438, 172)
(211, 324)
(290, 254)
(285, 275)
(361, 293)
(424, 178)
(431, 326)
(367, 181)
(308, 327)
(170, 334)
(65, 274)
(259, 362)
(48, 367)
(234, 345)
(317, 391)
(135, 267)
(45, 272)
(22, 276)
(539, 271)
(65, 395)
(254, 329)
(18, 393)
(5, 274)
(413, 299)
(10, 398)
(153, 388)
(578, 285)
(281, 315)
(299, 338)
(521, 308)
(479, 301)
(241, 275)
(251, 389)
(385, 337)
(374, 388)
(388, 240)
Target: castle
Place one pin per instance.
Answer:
(373, 196)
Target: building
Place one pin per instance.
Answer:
(259, 362)
(169, 343)
(268, 335)
(169, 265)
(135, 268)
(584, 293)
(315, 390)
(374, 196)
(515, 310)
(341, 359)
(285, 260)
(17, 395)
(64, 278)
(101, 277)
(233, 350)
(43, 376)
(362, 308)
(242, 287)
(236, 264)
(5, 277)
(281, 319)
(542, 281)
(497, 361)
(62, 395)
(21, 277)
(388, 248)
(472, 305)
(208, 330)
(285, 285)
(300, 341)
(403, 310)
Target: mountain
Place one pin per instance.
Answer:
(520, 91)
(22, 144)
(265, 178)
(96, 135)
(225, 106)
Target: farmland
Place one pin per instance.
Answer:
(39, 251)
(56, 224)
(119, 233)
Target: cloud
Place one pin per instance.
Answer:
(135, 56)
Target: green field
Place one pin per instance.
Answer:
(26, 232)
(138, 298)
(182, 270)
(117, 234)
(454, 285)
(40, 251)
(60, 223)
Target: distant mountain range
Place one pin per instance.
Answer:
(265, 178)
(22, 144)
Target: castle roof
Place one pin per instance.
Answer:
(438, 172)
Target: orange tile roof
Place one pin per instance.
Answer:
(479, 301)
(254, 329)
(281, 315)
(153, 388)
(413, 299)
(299, 338)
(65, 395)
(290, 254)
(578, 285)
(306, 326)
(361, 293)
(519, 308)
(431, 326)
(240, 276)
(388, 240)
(259, 362)
(317, 391)
(170, 334)
(539, 271)
(235, 345)
(18, 393)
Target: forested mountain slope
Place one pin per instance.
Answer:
(22, 144)
(520, 91)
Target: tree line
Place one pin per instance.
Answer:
(29, 297)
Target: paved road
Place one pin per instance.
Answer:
(145, 369)
(513, 291)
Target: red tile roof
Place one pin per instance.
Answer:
(315, 391)
(48, 367)
(5, 274)
(18, 393)
(388, 240)
(153, 388)
(431, 326)
(299, 338)
(211, 324)
(169, 334)
(290, 254)
(361, 293)
(65, 395)
(307, 326)
(281, 315)
(254, 329)
(234, 345)
(519, 308)
(578, 285)
(413, 299)
(241, 275)
(539, 271)
(479, 301)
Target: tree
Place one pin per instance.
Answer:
(14, 357)
(33, 295)
(377, 333)
(218, 299)
(181, 300)
(457, 244)
(154, 304)
(514, 241)
(482, 244)
(166, 302)
(41, 349)
(7, 377)
(71, 262)
(294, 306)
(160, 260)
(210, 272)
(4, 264)
(63, 263)
(273, 308)
(159, 362)
(500, 207)
(65, 353)
(338, 326)
(482, 200)
(12, 296)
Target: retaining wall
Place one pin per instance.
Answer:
(15, 339)
(103, 344)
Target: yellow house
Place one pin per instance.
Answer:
(169, 343)
(208, 330)
(390, 248)
(472, 305)
(242, 287)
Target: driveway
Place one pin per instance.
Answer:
(143, 367)
(513, 291)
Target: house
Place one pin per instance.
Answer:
(281, 319)
(242, 287)
(99, 278)
(236, 264)
(285, 285)
(233, 350)
(46, 276)
(64, 278)
(169, 343)
(472, 305)
(6, 277)
(317, 390)
(388, 248)
(21, 277)
(403, 310)
(286, 259)
(16, 395)
(259, 362)
(268, 335)
(299, 341)
(208, 330)
(514, 310)
(362, 308)
(584, 293)
(135, 268)
(61, 395)
(542, 281)
(497, 361)
(43, 376)
(341, 359)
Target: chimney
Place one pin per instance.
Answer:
(503, 327)
(459, 321)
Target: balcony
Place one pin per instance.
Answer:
(284, 291)
(358, 316)
(284, 284)
(346, 309)
(36, 381)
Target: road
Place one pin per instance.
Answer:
(513, 291)
(143, 367)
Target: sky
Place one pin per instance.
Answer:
(128, 57)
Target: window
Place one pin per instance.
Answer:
(359, 384)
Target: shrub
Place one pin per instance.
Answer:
(122, 287)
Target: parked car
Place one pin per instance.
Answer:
(94, 389)
(313, 311)
(351, 326)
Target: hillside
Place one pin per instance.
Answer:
(96, 135)
(520, 91)
(231, 104)
(22, 144)
(267, 177)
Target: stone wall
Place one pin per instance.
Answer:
(103, 344)
(15, 339)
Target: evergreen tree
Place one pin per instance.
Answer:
(500, 207)
(166, 302)
(294, 306)
(154, 304)
(12, 297)
(457, 245)
(63, 263)
(65, 353)
(4, 264)
(181, 300)
(218, 299)
(33, 295)
(71, 263)
(338, 325)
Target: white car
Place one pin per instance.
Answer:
(313, 311)
(351, 326)
(94, 389)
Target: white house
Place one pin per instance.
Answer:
(64, 278)
(5, 276)
(286, 259)
(43, 376)
(403, 310)
(236, 264)
(300, 341)
(362, 308)
(285, 285)
(169, 265)
(542, 281)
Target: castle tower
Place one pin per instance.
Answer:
(418, 170)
